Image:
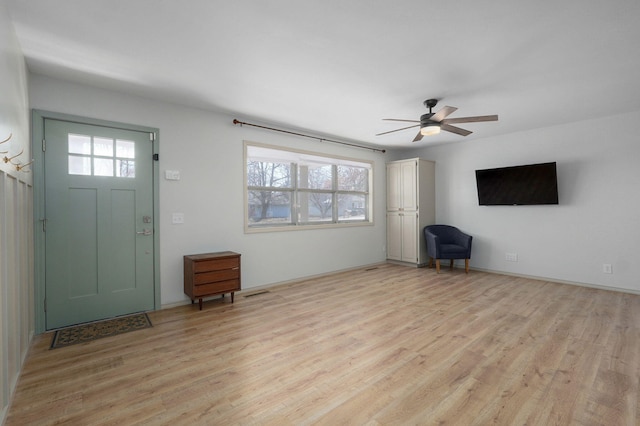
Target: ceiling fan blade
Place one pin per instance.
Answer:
(456, 130)
(444, 111)
(397, 130)
(418, 137)
(470, 119)
(399, 119)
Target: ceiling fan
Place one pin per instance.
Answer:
(431, 123)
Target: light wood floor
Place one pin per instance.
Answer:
(392, 345)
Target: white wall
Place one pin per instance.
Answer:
(596, 222)
(207, 149)
(16, 232)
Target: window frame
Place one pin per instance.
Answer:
(296, 159)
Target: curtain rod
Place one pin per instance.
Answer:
(242, 123)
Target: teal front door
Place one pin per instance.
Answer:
(99, 250)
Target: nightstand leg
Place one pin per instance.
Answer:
(200, 303)
(232, 297)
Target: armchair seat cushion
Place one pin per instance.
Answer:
(453, 251)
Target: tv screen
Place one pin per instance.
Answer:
(519, 185)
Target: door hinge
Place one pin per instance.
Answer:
(44, 225)
(156, 157)
(45, 305)
(44, 145)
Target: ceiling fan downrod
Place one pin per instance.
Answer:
(430, 103)
(425, 119)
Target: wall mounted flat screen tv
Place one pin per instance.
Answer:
(519, 185)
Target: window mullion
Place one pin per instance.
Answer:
(334, 195)
(295, 207)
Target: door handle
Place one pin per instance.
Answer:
(146, 232)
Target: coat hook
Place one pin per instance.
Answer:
(6, 140)
(20, 167)
(8, 159)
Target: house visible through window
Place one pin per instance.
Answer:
(291, 188)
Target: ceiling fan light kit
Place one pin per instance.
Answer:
(431, 124)
(430, 129)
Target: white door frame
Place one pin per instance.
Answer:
(37, 137)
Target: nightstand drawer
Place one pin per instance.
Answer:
(216, 288)
(214, 276)
(215, 265)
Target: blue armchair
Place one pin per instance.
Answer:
(447, 242)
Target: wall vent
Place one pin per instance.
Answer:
(257, 293)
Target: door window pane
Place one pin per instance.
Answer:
(125, 149)
(102, 167)
(103, 147)
(126, 168)
(79, 144)
(79, 165)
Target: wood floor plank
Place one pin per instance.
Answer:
(383, 345)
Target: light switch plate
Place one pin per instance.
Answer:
(172, 175)
(177, 218)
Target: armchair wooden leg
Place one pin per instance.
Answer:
(451, 265)
(466, 266)
(430, 262)
(437, 266)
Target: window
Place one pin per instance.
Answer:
(98, 156)
(286, 188)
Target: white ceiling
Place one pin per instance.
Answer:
(337, 68)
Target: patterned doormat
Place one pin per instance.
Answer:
(96, 330)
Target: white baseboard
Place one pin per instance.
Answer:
(558, 281)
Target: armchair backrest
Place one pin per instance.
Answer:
(447, 234)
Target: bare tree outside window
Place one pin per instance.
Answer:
(354, 181)
(315, 205)
(353, 178)
(269, 203)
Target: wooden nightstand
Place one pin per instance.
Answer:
(209, 274)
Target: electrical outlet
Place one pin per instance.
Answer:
(511, 257)
(606, 268)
